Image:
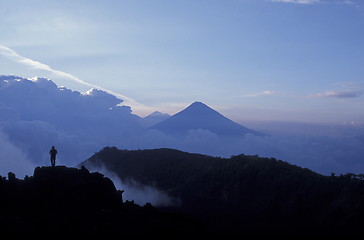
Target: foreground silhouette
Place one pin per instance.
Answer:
(240, 195)
(70, 200)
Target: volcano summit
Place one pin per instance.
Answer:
(200, 116)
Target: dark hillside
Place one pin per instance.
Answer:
(241, 194)
(245, 192)
(61, 200)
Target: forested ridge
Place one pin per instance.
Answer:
(245, 192)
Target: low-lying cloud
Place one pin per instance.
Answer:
(13, 159)
(134, 191)
(322, 154)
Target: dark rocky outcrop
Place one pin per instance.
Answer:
(69, 200)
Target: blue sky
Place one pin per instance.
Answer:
(285, 60)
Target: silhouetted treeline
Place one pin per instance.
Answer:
(245, 194)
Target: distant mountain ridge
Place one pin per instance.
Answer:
(200, 116)
(154, 118)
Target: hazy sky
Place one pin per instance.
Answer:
(289, 60)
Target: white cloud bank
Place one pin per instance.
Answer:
(14, 56)
(36, 114)
(13, 159)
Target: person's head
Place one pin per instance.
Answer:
(52, 146)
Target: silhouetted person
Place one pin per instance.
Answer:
(53, 153)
